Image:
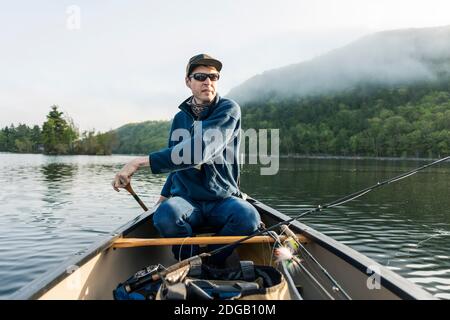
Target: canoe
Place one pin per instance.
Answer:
(95, 273)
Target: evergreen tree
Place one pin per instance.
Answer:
(57, 135)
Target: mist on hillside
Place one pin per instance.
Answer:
(389, 57)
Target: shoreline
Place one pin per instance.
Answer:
(330, 157)
(283, 156)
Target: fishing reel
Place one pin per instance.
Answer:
(142, 277)
(146, 271)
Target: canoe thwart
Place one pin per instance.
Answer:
(143, 242)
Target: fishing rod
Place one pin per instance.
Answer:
(332, 204)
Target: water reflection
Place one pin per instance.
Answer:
(55, 172)
(58, 179)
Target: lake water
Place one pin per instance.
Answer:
(53, 207)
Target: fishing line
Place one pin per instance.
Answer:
(440, 233)
(407, 254)
(181, 247)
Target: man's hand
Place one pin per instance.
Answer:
(123, 178)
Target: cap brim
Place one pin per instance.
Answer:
(207, 62)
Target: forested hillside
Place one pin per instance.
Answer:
(142, 138)
(402, 121)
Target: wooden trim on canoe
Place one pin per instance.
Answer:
(141, 242)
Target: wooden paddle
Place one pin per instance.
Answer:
(135, 196)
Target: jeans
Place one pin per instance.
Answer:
(178, 217)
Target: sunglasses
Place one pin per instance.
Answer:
(202, 76)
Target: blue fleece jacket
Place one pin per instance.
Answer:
(212, 173)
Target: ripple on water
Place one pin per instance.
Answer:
(429, 274)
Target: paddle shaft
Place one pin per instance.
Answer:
(136, 197)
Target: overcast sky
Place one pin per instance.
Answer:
(107, 63)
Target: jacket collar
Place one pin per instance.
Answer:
(204, 114)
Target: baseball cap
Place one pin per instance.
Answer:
(202, 59)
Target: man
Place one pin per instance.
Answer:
(202, 187)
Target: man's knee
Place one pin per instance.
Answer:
(252, 219)
(159, 217)
(168, 219)
(246, 217)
